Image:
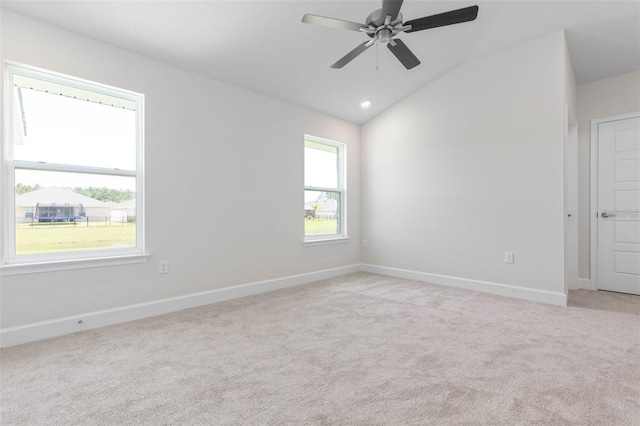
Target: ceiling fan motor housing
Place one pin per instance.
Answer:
(376, 18)
(384, 32)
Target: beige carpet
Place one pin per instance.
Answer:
(605, 300)
(358, 349)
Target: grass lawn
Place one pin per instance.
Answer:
(45, 238)
(320, 226)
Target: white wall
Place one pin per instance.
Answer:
(471, 166)
(215, 154)
(602, 98)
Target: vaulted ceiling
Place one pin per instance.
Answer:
(264, 46)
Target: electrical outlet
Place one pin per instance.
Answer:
(508, 257)
(365, 244)
(163, 267)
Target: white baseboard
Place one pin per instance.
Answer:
(46, 329)
(531, 294)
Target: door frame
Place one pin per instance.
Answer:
(593, 211)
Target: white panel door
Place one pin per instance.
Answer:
(619, 205)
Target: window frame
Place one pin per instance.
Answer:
(27, 263)
(341, 189)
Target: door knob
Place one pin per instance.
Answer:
(607, 214)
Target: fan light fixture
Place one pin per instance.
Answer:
(383, 25)
(365, 104)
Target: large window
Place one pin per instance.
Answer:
(72, 169)
(324, 189)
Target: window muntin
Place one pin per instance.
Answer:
(324, 195)
(74, 165)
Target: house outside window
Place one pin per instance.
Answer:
(72, 150)
(324, 189)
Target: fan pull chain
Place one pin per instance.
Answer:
(377, 46)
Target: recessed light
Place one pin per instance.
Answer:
(365, 103)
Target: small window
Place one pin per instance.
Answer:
(324, 189)
(74, 162)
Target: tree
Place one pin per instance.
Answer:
(105, 194)
(326, 196)
(23, 189)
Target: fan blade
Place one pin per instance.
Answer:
(448, 18)
(404, 55)
(332, 22)
(391, 7)
(351, 55)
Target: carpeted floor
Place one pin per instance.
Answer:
(605, 300)
(354, 350)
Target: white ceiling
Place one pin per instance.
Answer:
(264, 46)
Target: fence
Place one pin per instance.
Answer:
(77, 221)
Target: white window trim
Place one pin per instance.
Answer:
(63, 265)
(342, 189)
(319, 242)
(13, 264)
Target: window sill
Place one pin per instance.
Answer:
(64, 265)
(322, 241)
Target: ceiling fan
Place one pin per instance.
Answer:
(384, 24)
